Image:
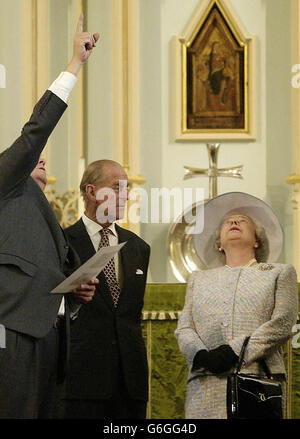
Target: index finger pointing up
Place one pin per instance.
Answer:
(80, 24)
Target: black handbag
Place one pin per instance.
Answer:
(253, 397)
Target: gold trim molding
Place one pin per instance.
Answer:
(35, 58)
(293, 179)
(65, 206)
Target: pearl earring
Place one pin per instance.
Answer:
(220, 249)
(256, 245)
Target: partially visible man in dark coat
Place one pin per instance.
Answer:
(108, 376)
(34, 258)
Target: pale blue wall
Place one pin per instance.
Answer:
(267, 161)
(10, 57)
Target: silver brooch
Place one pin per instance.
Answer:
(266, 267)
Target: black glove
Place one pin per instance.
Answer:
(221, 359)
(200, 360)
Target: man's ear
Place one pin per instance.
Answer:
(90, 192)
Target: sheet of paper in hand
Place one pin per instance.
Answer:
(88, 270)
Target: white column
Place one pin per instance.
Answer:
(126, 97)
(35, 54)
(75, 106)
(295, 177)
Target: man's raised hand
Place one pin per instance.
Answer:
(84, 42)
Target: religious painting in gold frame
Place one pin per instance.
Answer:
(215, 85)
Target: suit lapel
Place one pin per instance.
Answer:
(81, 241)
(48, 214)
(83, 245)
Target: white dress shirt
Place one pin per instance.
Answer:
(62, 86)
(93, 230)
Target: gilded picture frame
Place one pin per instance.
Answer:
(214, 77)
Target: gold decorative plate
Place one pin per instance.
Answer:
(181, 252)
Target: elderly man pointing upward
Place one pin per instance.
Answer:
(34, 258)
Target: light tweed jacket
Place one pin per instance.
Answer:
(224, 305)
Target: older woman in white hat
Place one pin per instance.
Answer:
(243, 293)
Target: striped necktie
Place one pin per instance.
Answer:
(110, 269)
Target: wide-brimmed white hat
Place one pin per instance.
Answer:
(237, 202)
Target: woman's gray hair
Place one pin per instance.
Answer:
(260, 252)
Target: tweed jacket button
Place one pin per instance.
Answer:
(225, 324)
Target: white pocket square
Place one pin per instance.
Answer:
(138, 271)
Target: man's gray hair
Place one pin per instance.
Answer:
(94, 175)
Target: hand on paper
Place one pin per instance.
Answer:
(84, 293)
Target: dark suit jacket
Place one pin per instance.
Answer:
(33, 248)
(103, 337)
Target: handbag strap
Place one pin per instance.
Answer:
(242, 354)
(261, 362)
